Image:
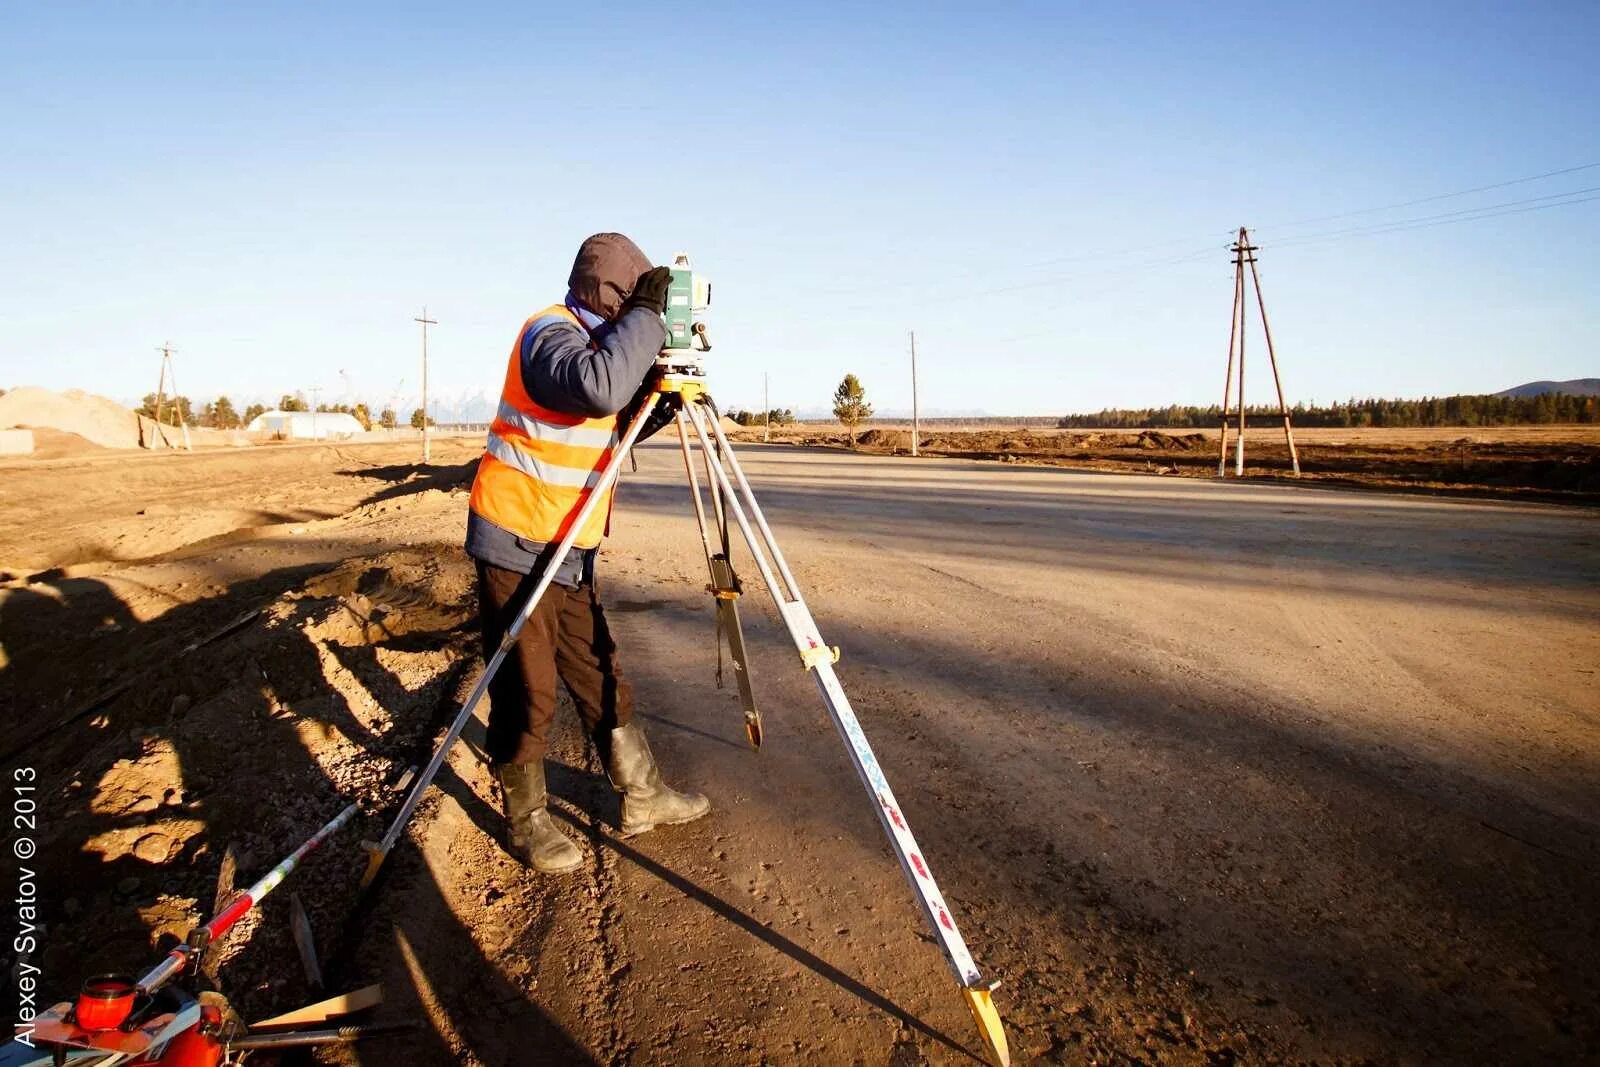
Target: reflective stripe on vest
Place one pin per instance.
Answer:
(577, 435)
(539, 466)
(533, 467)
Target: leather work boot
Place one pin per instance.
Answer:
(534, 838)
(647, 801)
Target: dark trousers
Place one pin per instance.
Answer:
(565, 638)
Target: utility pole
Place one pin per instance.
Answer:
(161, 388)
(426, 322)
(1243, 253)
(314, 390)
(169, 373)
(766, 405)
(916, 426)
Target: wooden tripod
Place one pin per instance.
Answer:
(1244, 252)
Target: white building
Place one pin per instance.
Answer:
(305, 425)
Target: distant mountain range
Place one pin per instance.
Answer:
(1575, 387)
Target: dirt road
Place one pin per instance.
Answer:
(1209, 772)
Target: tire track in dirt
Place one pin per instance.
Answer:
(607, 1012)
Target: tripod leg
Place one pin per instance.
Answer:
(726, 585)
(725, 588)
(694, 487)
(608, 475)
(729, 606)
(819, 659)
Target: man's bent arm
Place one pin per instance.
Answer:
(561, 371)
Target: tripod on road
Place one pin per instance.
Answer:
(731, 494)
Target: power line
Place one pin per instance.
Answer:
(1086, 257)
(1432, 199)
(1488, 211)
(1447, 218)
(1055, 279)
(1221, 235)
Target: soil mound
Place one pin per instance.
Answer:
(60, 444)
(94, 418)
(884, 439)
(1150, 439)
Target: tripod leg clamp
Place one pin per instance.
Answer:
(819, 654)
(689, 387)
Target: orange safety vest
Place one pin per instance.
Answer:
(539, 466)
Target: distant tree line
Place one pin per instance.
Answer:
(1467, 410)
(780, 417)
(220, 413)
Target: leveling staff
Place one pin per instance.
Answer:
(576, 375)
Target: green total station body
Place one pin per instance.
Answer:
(688, 294)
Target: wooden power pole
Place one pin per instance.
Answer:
(766, 406)
(426, 322)
(170, 374)
(916, 426)
(1243, 253)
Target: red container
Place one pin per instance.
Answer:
(198, 1045)
(105, 1001)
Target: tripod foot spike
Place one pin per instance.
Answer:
(375, 858)
(981, 1003)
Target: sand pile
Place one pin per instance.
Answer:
(94, 418)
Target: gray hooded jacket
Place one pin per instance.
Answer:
(591, 371)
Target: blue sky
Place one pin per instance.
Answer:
(1043, 192)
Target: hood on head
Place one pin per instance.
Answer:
(603, 275)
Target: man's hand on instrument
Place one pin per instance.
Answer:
(650, 291)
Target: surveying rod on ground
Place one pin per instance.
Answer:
(179, 958)
(161, 1019)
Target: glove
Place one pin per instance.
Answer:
(664, 415)
(650, 291)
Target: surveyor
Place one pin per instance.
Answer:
(578, 372)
